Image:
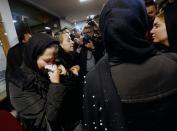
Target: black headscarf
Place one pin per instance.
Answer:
(124, 24)
(36, 46)
(171, 20)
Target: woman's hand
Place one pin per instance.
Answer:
(62, 70)
(90, 45)
(75, 70)
(54, 75)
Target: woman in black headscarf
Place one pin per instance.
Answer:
(132, 87)
(37, 97)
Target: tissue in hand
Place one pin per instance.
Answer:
(49, 67)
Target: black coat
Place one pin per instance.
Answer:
(67, 59)
(130, 96)
(74, 88)
(148, 91)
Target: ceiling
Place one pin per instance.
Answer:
(72, 10)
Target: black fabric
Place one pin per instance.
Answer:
(24, 76)
(171, 20)
(14, 60)
(149, 109)
(71, 115)
(67, 59)
(83, 60)
(124, 25)
(151, 80)
(161, 48)
(35, 106)
(98, 52)
(15, 56)
(102, 106)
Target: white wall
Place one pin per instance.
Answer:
(9, 28)
(12, 37)
(8, 23)
(64, 23)
(80, 25)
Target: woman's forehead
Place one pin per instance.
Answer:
(49, 51)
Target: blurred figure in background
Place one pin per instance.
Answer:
(151, 8)
(15, 59)
(15, 54)
(92, 49)
(76, 36)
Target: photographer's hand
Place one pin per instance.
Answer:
(54, 75)
(90, 45)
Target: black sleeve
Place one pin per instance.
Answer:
(33, 107)
(54, 101)
(98, 52)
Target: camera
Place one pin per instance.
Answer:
(86, 39)
(90, 20)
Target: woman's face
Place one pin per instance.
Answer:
(48, 57)
(67, 44)
(159, 32)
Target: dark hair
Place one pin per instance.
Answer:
(164, 3)
(22, 36)
(161, 15)
(149, 3)
(63, 29)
